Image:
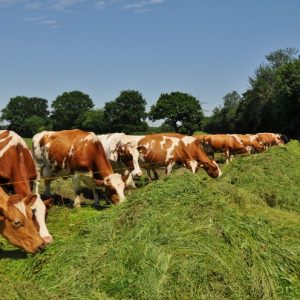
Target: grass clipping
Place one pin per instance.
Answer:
(182, 237)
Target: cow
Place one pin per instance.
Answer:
(157, 150)
(225, 143)
(17, 174)
(122, 154)
(17, 222)
(78, 154)
(197, 152)
(268, 139)
(251, 141)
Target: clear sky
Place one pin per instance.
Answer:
(206, 48)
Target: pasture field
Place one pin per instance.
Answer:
(186, 236)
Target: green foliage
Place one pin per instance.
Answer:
(127, 113)
(35, 124)
(181, 111)
(224, 118)
(94, 121)
(272, 103)
(186, 236)
(68, 110)
(20, 111)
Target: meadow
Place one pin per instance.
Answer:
(185, 236)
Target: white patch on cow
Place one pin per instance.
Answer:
(219, 170)
(14, 141)
(169, 168)
(193, 164)
(135, 159)
(40, 211)
(64, 163)
(21, 207)
(237, 138)
(188, 139)
(90, 137)
(118, 184)
(71, 152)
(175, 142)
(253, 137)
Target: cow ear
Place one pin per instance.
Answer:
(48, 202)
(30, 199)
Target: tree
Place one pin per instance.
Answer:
(94, 121)
(35, 124)
(281, 57)
(127, 113)
(69, 108)
(286, 108)
(20, 109)
(181, 111)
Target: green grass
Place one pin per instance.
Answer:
(182, 237)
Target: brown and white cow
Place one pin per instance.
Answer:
(157, 150)
(78, 153)
(17, 173)
(225, 143)
(268, 139)
(122, 154)
(16, 222)
(251, 141)
(195, 149)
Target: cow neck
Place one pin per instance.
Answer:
(103, 166)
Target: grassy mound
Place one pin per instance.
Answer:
(182, 237)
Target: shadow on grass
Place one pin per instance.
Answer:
(12, 254)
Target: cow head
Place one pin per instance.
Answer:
(115, 184)
(283, 138)
(129, 155)
(211, 168)
(17, 225)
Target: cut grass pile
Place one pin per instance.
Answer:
(182, 237)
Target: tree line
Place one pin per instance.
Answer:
(271, 103)
(181, 112)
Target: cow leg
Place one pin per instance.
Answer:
(155, 173)
(96, 198)
(169, 168)
(149, 174)
(76, 186)
(227, 156)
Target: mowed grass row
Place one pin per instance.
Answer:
(184, 236)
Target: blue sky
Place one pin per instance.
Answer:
(206, 48)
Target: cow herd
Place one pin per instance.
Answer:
(111, 162)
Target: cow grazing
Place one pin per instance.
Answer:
(158, 150)
(17, 173)
(16, 222)
(122, 154)
(251, 141)
(225, 143)
(268, 139)
(80, 153)
(195, 149)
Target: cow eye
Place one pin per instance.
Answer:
(17, 223)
